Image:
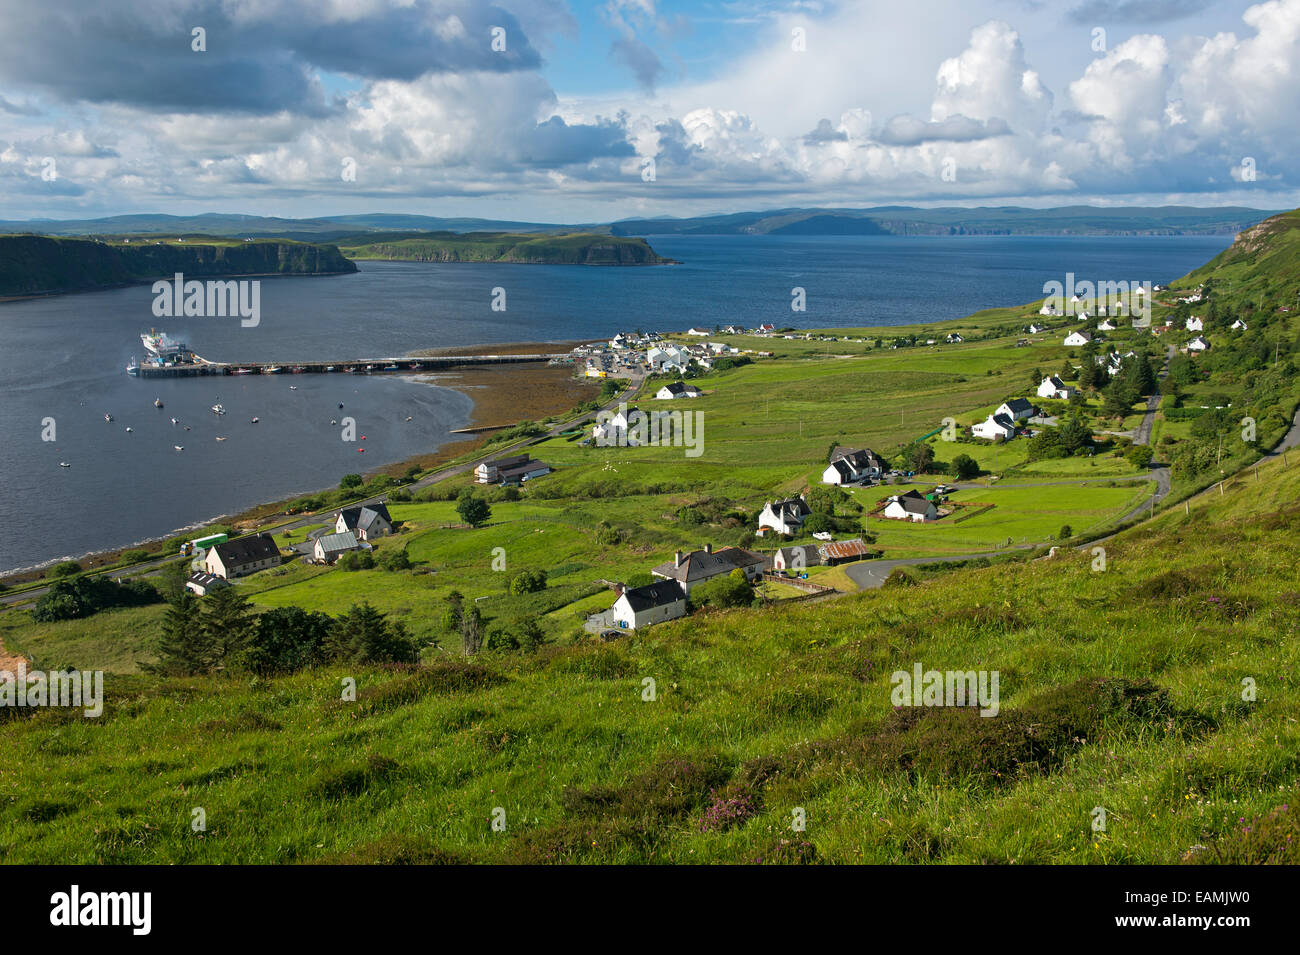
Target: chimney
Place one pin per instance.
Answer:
(677, 560)
(708, 548)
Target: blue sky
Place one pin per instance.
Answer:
(590, 111)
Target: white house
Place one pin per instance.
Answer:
(848, 466)
(797, 558)
(702, 332)
(995, 428)
(1047, 309)
(1198, 344)
(1195, 324)
(1106, 325)
(953, 338)
(911, 507)
(677, 389)
(1036, 329)
(1239, 326)
(783, 517)
(329, 547)
(1074, 339)
(652, 603)
(245, 555)
(370, 520)
(1053, 387)
(1017, 409)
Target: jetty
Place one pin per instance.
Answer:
(198, 366)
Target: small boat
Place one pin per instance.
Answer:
(408, 417)
(187, 427)
(273, 370)
(293, 387)
(416, 367)
(157, 403)
(179, 447)
(174, 421)
(64, 464)
(298, 369)
(329, 367)
(218, 409)
(221, 439)
(340, 404)
(393, 367)
(256, 420)
(108, 417)
(361, 450)
(242, 371)
(333, 421)
(350, 370)
(128, 430)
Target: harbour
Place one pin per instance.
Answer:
(170, 358)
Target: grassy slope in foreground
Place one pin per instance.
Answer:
(582, 248)
(757, 712)
(35, 264)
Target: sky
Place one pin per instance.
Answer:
(555, 111)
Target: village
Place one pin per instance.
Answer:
(873, 490)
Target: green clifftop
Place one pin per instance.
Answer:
(579, 248)
(36, 265)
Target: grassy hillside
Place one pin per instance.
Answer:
(1260, 270)
(583, 248)
(1120, 689)
(33, 265)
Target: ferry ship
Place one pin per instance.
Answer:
(164, 348)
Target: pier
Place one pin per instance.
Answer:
(356, 366)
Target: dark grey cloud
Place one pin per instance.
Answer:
(555, 143)
(1136, 11)
(825, 133)
(639, 58)
(906, 130)
(259, 59)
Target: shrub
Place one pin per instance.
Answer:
(528, 582)
(64, 569)
(729, 590)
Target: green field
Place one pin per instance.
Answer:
(757, 713)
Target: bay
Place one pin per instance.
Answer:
(63, 359)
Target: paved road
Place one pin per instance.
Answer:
(152, 567)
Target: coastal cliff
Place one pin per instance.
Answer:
(583, 248)
(37, 265)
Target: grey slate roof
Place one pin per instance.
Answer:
(697, 565)
(659, 594)
(246, 550)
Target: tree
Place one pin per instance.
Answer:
(1139, 455)
(227, 624)
(184, 648)
(917, 456)
(366, 635)
(819, 522)
(349, 481)
(394, 558)
(965, 467)
(518, 633)
(1065, 533)
(474, 511)
(730, 590)
(528, 582)
(286, 639)
(1117, 402)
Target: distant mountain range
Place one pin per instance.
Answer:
(1004, 220)
(880, 220)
